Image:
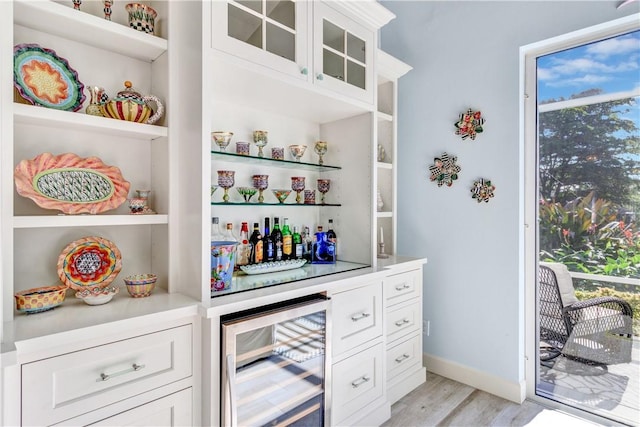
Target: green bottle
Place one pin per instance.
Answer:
(297, 244)
(287, 241)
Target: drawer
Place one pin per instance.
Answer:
(404, 356)
(357, 381)
(403, 319)
(356, 316)
(69, 385)
(402, 287)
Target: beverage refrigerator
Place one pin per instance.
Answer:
(275, 365)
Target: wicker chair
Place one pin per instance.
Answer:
(596, 331)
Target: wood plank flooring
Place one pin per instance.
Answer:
(444, 402)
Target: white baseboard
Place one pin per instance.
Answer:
(513, 391)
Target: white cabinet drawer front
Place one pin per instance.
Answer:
(66, 386)
(356, 316)
(357, 381)
(403, 320)
(403, 356)
(402, 287)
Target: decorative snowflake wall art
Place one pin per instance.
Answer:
(444, 170)
(482, 190)
(469, 124)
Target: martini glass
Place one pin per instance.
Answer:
(260, 139)
(260, 182)
(297, 185)
(226, 180)
(323, 187)
(320, 148)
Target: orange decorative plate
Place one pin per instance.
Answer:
(43, 78)
(89, 262)
(71, 184)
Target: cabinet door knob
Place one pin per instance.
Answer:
(320, 76)
(304, 71)
(360, 316)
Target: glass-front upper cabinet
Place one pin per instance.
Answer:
(268, 32)
(343, 53)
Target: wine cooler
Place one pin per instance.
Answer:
(275, 365)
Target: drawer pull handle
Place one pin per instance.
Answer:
(363, 379)
(402, 287)
(134, 368)
(360, 316)
(402, 358)
(402, 322)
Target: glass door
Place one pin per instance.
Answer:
(275, 365)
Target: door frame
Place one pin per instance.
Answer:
(529, 185)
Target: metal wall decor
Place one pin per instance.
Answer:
(444, 170)
(469, 124)
(482, 190)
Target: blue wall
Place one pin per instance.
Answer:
(465, 54)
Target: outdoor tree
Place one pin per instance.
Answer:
(590, 148)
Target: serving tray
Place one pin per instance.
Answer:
(271, 267)
(71, 184)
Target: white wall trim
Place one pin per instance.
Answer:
(515, 392)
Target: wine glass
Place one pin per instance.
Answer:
(297, 151)
(297, 185)
(320, 148)
(323, 187)
(260, 139)
(221, 138)
(260, 182)
(226, 180)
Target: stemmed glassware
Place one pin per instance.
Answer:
(323, 187)
(320, 148)
(297, 151)
(221, 138)
(297, 185)
(260, 139)
(226, 180)
(260, 182)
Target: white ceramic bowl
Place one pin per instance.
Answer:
(97, 296)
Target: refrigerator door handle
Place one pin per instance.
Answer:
(231, 383)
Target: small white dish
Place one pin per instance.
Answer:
(97, 296)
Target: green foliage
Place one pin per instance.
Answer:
(632, 298)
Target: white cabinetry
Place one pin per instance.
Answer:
(389, 71)
(403, 321)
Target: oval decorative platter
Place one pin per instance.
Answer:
(71, 184)
(43, 78)
(90, 262)
(271, 267)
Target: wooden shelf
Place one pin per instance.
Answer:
(41, 116)
(47, 221)
(384, 214)
(384, 165)
(56, 19)
(384, 117)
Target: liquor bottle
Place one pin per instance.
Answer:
(229, 235)
(216, 234)
(332, 237)
(307, 244)
(276, 236)
(267, 243)
(297, 244)
(257, 245)
(244, 248)
(287, 242)
(323, 249)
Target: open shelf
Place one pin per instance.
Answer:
(56, 19)
(48, 221)
(286, 164)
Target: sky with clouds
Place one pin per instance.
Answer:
(612, 65)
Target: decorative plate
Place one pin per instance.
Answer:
(88, 263)
(71, 184)
(43, 78)
(270, 267)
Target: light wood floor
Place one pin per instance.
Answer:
(444, 402)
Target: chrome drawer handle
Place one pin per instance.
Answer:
(402, 322)
(363, 379)
(402, 358)
(134, 368)
(402, 287)
(360, 316)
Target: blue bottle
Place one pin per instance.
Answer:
(324, 250)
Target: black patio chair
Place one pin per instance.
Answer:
(596, 331)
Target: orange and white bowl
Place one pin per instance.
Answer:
(40, 299)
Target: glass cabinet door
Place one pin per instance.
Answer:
(343, 53)
(269, 32)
